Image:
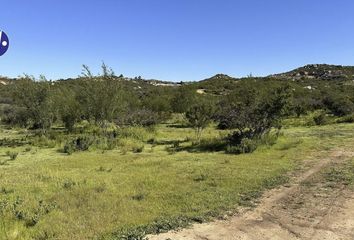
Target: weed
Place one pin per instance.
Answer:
(346, 119)
(101, 188)
(102, 169)
(81, 143)
(246, 146)
(289, 144)
(3, 162)
(138, 149)
(200, 177)
(28, 149)
(151, 141)
(43, 141)
(124, 150)
(138, 197)
(5, 191)
(68, 184)
(12, 155)
(69, 148)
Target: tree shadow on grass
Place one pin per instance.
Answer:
(174, 143)
(178, 126)
(206, 145)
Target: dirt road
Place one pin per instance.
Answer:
(310, 207)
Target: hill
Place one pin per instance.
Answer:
(319, 71)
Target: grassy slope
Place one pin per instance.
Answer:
(89, 194)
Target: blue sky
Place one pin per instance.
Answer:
(175, 39)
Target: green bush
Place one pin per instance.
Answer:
(320, 118)
(246, 146)
(138, 149)
(28, 149)
(68, 184)
(209, 145)
(289, 144)
(4, 162)
(44, 141)
(269, 139)
(346, 119)
(200, 177)
(137, 133)
(12, 155)
(69, 148)
(81, 143)
(151, 141)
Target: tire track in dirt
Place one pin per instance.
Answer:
(307, 208)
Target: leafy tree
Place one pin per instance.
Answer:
(338, 104)
(199, 116)
(68, 106)
(35, 98)
(255, 114)
(100, 96)
(139, 117)
(183, 98)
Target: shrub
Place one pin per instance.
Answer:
(346, 119)
(269, 139)
(69, 148)
(12, 155)
(236, 137)
(140, 117)
(246, 146)
(44, 141)
(137, 133)
(289, 144)
(15, 116)
(138, 197)
(124, 150)
(199, 116)
(3, 162)
(253, 113)
(176, 144)
(28, 149)
(320, 118)
(68, 184)
(138, 149)
(338, 105)
(81, 143)
(111, 144)
(151, 141)
(200, 177)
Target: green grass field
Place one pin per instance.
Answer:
(46, 194)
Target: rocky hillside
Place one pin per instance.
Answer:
(319, 71)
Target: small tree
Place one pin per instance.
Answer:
(183, 98)
(34, 97)
(256, 114)
(100, 96)
(199, 116)
(68, 108)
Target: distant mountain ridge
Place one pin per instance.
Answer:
(310, 71)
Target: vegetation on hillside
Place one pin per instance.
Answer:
(104, 156)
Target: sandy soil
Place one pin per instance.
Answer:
(307, 208)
